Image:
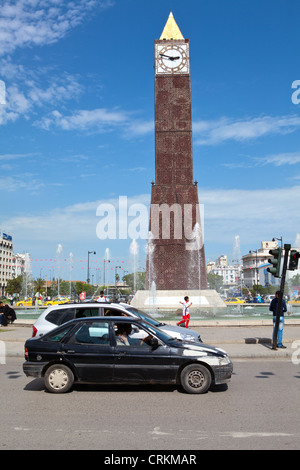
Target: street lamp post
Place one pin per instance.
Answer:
(279, 239)
(88, 266)
(116, 267)
(105, 261)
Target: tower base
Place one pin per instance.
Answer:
(168, 300)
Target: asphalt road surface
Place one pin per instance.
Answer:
(258, 410)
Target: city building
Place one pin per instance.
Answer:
(6, 256)
(255, 265)
(231, 274)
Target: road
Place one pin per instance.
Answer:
(258, 410)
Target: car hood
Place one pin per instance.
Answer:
(178, 329)
(201, 349)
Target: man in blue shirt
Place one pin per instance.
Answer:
(273, 308)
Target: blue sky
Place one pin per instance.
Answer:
(77, 131)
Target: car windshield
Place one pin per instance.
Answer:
(143, 316)
(159, 333)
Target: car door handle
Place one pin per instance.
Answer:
(121, 354)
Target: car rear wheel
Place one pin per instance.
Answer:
(195, 378)
(59, 379)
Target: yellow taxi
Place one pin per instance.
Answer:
(295, 301)
(57, 300)
(24, 303)
(234, 300)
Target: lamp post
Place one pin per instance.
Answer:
(105, 261)
(280, 239)
(88, 266)
(116, 267)
(256, 269)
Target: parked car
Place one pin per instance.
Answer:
(59, 314)
(234, 300)
(295, 301)
(24, 303)
(94, 350)
(57, 301)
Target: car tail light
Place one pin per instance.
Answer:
(26, 354)
(34, 331)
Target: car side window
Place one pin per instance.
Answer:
(57, 336)
(113, 312)
(93, 333)
(127, 334)
(82, 312)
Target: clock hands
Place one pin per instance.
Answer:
(169, 57)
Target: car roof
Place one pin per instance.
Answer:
(105, 320)
(88, 304)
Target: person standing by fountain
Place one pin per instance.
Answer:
(185, 312)
(102, 297)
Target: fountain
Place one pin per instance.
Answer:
(59, 258)
(134, 250)
(167, 301)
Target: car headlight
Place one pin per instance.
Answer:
(188, 338)
(223, 361)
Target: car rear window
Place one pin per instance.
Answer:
(60, 316)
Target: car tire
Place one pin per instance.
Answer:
(58, 379)
(195, 378)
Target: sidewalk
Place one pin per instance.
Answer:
(240, 339)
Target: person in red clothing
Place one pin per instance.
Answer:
(185, 312)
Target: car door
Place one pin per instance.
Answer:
(139, 362)
(91, 352)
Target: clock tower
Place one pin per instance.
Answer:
(176, 259)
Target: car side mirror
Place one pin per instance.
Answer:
(154, 344)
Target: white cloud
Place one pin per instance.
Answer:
(280, 159)
(28, 90)
(224, 129)
(254, 215)
(95, 119)
(26, 23)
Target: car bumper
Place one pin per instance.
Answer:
(222, 374)
(33, 369)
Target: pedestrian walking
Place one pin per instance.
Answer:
(273, 308)
(185, 311)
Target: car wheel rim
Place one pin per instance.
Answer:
(58, 379)
(195, 379)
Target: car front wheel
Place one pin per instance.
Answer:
(58, 379)
(195, 378)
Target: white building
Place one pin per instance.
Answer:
(6, 256)
(255, 265)
(231, 274)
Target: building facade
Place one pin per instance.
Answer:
(6, 257)
(255, 265)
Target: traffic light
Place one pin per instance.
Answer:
(275, 261)
(294, 258)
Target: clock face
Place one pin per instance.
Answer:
(172, 59)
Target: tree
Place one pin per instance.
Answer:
(215, 281)
(14, 286)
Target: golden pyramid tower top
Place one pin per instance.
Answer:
(171, 30)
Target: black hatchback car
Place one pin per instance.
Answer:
(124, 351)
